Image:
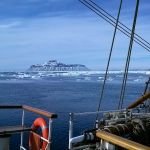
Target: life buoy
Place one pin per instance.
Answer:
(34, 139)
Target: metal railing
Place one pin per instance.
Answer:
(46, 114)
(80, 138)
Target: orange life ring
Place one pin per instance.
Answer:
(34, 139)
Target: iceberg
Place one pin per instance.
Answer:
(54, 65)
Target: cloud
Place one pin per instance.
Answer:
(10, 25)
(65, 30)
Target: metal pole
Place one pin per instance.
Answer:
(21, 144)
(50, 134)
(96, 124)
(71, 115)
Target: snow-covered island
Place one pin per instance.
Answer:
(54, 65)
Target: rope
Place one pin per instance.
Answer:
(120, 24)
(123, 88)
(106, 73)
(113, 22)
(146, 87)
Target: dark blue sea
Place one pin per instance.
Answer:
(63, 93)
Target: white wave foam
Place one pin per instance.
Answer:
(77, 73)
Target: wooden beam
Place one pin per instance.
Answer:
(139, 101)
(10, 107)
(13, 129)
(119, 141)
(39, 111)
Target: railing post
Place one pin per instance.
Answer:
(96, 124)
(50, 134)
(71, 116)
(21, 145)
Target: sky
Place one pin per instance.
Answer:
(35, 31)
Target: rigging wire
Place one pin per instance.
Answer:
(123, 88)
(146, 87)
(119, 22)
(113, 22)
(125, 30)
(108, 63)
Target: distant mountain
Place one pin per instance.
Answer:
(54, 65)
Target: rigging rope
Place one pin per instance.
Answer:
(119, 23)
(146, 87)
(125, 30)
(111, 20)
(111, 49)
(123, 88)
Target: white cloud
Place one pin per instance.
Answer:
(9, 25)
(80, 38)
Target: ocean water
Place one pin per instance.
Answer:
(63, 93)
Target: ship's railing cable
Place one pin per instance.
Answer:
(111, 20)
(108, 63)
(123, 88)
